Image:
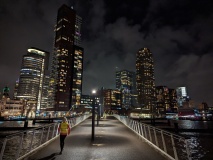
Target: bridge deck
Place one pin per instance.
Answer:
(113, 141)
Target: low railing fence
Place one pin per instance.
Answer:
(171, 145)
(18, 145)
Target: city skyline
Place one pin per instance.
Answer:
(178, 34)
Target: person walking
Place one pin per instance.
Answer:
(64, 130)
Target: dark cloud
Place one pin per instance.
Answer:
(179, 34)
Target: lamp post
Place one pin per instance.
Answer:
(93, 113)
(98, 114)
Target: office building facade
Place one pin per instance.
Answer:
(32, 76)
(145, 81)
(67, 68)
(182, 96)
(125, 82)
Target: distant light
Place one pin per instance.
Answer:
(93, 91)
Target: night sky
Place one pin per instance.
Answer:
(178, 33)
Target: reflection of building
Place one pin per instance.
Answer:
(66, 83)
(125, 82)
(32, 73)
(145, 81)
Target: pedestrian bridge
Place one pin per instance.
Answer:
(116, 137)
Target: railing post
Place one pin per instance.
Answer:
(133, 126)
(41, 136)
(20, 146)
(156, 140)
(3, 148)
(53, 130)
(48, 133)
(188, 150)
(174, 148)
(138, 131)
(150, 136)
(163, 140)
(142, 130)
(31, 143)
(145, 131)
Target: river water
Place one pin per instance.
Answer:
(201, 143)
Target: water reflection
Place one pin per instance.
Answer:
(200, 143)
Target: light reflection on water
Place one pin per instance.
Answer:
(188, 124)
(16, 124)
(200, 143)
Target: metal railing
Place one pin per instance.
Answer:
(171, 145)
(19, 145)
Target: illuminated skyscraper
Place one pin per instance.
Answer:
(166, 101)
(125, 82)
(67, 68)
(32, 76)
(145, 81)
(181, 96)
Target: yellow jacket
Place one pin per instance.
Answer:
(64, 128)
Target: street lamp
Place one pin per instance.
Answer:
(93, 113)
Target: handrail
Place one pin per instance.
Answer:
(173, 146)
(20, 144)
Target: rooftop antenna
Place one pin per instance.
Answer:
(116, 68)
(72, 4)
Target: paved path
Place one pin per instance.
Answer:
(113, 141)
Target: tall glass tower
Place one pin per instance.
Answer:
(32, 75)
(125, 82)
(67, 67)
(145, 81)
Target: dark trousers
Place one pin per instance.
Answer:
(62, 138)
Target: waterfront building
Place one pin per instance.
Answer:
(67, 67)
(12, 108)
(165, 100)
(86, 100)
(6, 91)
(173, 100)
(125, 82)
(110, 99)
(182, 96)
(32, 75)
(145, 81)
(45, 93)
(15, 89)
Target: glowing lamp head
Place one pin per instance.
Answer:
(93, 91)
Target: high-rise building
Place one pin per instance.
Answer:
(67, 68)
(145, 81)
(110, 99)
(15, 89)
(166, 101)
(125, 82)
(32, 73)
(45, 93)
(181, 96)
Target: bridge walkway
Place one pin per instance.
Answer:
(113, 141)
